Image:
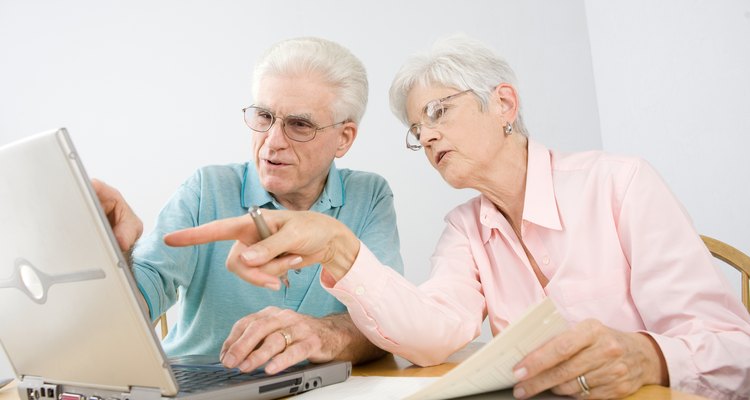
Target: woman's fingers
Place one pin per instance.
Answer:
(237, 228)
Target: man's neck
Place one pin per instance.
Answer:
(302, 200)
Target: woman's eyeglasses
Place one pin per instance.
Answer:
(432, 115)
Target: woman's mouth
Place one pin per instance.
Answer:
(440, 156)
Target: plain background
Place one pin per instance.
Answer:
(150, 91)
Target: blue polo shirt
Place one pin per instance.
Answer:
(212, 298)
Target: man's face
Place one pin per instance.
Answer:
(295, 172)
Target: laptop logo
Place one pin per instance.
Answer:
(36, 284)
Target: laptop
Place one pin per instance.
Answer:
(71, 324)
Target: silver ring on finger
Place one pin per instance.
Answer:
(585, 389)
(287, 338)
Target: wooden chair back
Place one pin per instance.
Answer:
(737, 259)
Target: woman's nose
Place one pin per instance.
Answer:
(427, 135)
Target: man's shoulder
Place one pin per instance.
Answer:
(211, 175)
(234, 170)
(362, 179)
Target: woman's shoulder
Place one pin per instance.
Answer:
(468, 211)
(594, 160)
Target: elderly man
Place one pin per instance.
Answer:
(309, 96)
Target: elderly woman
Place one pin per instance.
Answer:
(601, 235)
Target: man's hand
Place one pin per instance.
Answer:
(284, 338)
(126, 226)
(613, 364)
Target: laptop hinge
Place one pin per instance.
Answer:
(142, 393)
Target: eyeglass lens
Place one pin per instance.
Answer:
(433, 111)
(296, 128)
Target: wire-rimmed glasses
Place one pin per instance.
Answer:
(432, 115)
(297, 128)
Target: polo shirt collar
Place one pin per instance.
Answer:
(253, 192)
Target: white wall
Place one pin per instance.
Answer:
(673, 87)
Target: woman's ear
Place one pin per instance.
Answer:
(505, 98)
(346, 138)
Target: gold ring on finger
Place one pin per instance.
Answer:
(585, 389)
(287, 338)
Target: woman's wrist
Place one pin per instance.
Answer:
(657, 373)
(341, 252)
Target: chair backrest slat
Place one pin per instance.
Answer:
(737, 259)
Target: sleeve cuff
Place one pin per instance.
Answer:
(148, 291)
(680, 367)
(361, 290)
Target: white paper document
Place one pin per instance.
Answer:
(491, 367)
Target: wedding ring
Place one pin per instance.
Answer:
(287, 338)
(585, 389)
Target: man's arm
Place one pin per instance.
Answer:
(126, 225)
(283, 338)
(352, 344)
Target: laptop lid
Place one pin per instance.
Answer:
(70, 313)
(68, 301)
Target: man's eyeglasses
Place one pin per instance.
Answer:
(432, 115)
(299, 129)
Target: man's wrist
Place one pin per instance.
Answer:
(350, 343)
(128, 256)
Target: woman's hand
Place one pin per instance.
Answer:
(613, 364)
(302, 238)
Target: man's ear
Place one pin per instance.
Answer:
(505, 99)
(346, 138)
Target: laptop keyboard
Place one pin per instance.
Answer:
(198, 379)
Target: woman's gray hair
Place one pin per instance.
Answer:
(457, 62)
(337, 66)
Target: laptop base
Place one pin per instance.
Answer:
(308, 378)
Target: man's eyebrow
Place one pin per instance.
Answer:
(306, 116)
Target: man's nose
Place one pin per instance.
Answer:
(276, 137)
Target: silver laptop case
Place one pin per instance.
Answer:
(72, 325)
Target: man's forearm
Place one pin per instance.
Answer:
(128, 255)
(352, 344)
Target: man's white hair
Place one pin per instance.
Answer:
(333, 62)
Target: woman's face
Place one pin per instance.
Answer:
(464, 141)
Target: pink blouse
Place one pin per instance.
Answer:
(615, 244)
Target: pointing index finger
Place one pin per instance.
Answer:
(237, 228)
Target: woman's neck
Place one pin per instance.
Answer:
(505, 184)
